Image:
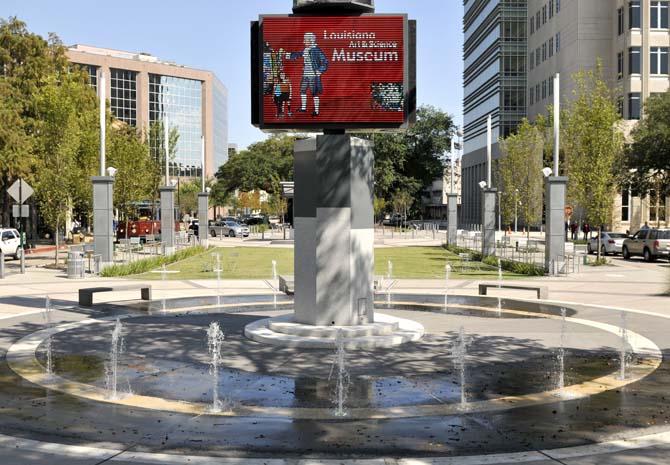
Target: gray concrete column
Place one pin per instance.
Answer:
(334, 231)
(167, 218)
(489, 221)
(103, 218)
(452, 219)
(203, 218)
(555, 213)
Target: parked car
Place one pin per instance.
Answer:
(10, 243)
(228, 228)
(255, 220)
(610, 243)
(648, 243)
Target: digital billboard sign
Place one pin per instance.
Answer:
(333, 72)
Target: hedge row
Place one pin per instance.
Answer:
(147, 264)
(528, 269)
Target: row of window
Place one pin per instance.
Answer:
(544, 14)
(657, 205)
(658, 15)
(658, 61)
(546, 51)
(541, 91)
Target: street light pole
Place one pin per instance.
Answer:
(499, 211)
(516, 210)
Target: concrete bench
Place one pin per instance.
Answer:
(542, 291)
(86, 295)
(287, 284)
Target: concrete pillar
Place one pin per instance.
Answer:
(167, 218)
(489, 221)
(555, 213)
(452, 219)
(103, 218)
(334, 231)
(203, 218)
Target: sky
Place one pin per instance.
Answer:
(214, 35)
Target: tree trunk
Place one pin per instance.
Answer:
(599, 245)
(56, 239)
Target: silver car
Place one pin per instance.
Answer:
(610, 243)
(648, 243)
(228, 228)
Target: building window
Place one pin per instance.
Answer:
(514, 65)
(551, 9)
(180, 101)
(659, 60)
(537, 92)
(619, 69)
(558, 42)
(656, 206)
(544, 14)
(544, 89)
(531, 95)
(123, 98)
(634, 105)
(537, 56)
(537, 21)
(550, 87)
(634, 14)
(544, 51)
(551, 47)
(532, 25)
(558, 6)
(625, 205)
(659, 15)
(620, 21)
(634, 61)
(532, 60)
(619, 105)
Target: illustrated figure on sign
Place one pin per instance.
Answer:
(283, 93)
(315, 64)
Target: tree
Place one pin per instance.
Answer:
(188, 197)
(156, 137)
(409, 161)
(402, 202)
(379, 205)
(649, 152)
(259, 167)
(129, 154)
(593, 147)
(250, 200)
(519, 172)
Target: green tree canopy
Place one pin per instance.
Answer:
(649, 152)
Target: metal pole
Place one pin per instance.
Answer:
(557, 120)
(452, 155)
(202, 140)
(23, 251)
(166, 142)
(489, 143)
(2, 265)
(499, 212)
(103, 121)
(516, 211)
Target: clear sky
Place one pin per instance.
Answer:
(214, 35)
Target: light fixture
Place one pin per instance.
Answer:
(547, 172)
(482, 184)
(173, 182)
(208, 190)
(111, 171)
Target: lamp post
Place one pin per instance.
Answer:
(516, 210)
(500, 211)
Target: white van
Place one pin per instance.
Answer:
(10, 242)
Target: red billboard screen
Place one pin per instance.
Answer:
(332, 71)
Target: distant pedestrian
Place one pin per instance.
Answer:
(645, 227)
(586, 229)
(573, 229)
(567, 228)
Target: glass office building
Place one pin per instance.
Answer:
(144, 91)
(494, 80)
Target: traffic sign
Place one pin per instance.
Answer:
(20, 191)
(25, 210)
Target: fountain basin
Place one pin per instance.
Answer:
(386, 331)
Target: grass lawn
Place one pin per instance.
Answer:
(256, 263)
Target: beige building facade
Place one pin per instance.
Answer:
(631, 39)
(146, 92)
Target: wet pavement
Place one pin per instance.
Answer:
(166, 356)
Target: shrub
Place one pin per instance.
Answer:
(528, 269)
(147, 264)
